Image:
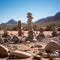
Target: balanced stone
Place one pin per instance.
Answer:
(15, 39)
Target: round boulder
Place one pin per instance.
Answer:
(52, 46)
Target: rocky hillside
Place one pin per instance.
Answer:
(56, 17)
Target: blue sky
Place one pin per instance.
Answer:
(18, 9)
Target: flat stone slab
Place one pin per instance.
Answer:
(19, 54)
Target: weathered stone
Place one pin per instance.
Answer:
(59, 34)
(15, 39)
(19, 54)
(50, 56)
(37, 57)
(37, 46)
(52, 46)
(30, 36)
(30, 33)
(1, 40)
(3, 51)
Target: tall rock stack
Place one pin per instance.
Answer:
(29, 27)
(29, 22)
(19, 28)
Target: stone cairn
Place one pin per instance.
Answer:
(41, 35)
(5, 33)
(54, 33)
(29, 22)
(19, 28)
(5, 36)
(29, 27)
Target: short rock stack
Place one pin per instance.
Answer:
(5, 33)
(19, 28)
(54, 33)
(41, 35)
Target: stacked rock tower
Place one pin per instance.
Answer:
(29, 22)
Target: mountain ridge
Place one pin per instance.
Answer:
(56, 17)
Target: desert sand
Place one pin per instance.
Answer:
(28, 47)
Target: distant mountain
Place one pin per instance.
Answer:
(49, 19)
(54, 19)
(10, 22)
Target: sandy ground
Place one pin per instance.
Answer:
(25, 32)
(26, 47)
